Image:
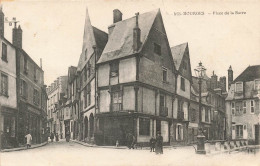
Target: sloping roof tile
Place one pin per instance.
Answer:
(177, 54)
(120, 41)
(249, 74)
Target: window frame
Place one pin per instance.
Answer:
(144, 126)
(157, 49)
(244, 107)
(252, 106)
(4, 52)
(233, 108)
(236, 85)
(182, 84)
(164, 74)
(114, 69)
(4, 85)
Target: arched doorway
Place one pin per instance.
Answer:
(91, 125)
(86, 127)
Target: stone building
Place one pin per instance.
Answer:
(56, 93)
(136, 81)
(8, 95)
(94, 41)
(242, 104)
(182, 126)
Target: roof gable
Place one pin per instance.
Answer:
(88, 42)
(120, 41)
(177, 54)
(249, 74)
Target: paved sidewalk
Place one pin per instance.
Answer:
(125, 147)
(24, 147)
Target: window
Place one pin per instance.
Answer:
(233, 108)
(239, 87)
(25, 64)
(114, 67)
(179, 132)
(144, 126)
(88, 69)
(4, 52)
(193, 115)
(257, 84)
(184, 65)
(182, 84)
(85, 97)
(35, 73)
(244, 107)
(252, 106)
(207, 115)
(23, 89)
(36, 98)
(4, 85)
(157, 49)
(162, 101)
(85, 73)
(117, 98)
(239, 131)
(88, 94)
(164, 74)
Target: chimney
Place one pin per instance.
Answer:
(136, 35)
(230, 76)
(17, 36)
(214, 81)
(41, 63)
(223, 83)
(117, 15)
(2, 22)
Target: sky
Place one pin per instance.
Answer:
(53, 30)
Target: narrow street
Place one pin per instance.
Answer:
(72, 154)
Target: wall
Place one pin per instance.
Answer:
(104, 101)
(9, 69)
(127, 70)
(129, 98)
(103, 75)
(179, 91)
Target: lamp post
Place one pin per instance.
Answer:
(200, 71)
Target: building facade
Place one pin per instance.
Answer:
(8, 95)
(56, 93)
(242, 104)
(136, 81)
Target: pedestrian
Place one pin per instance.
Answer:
(52, 136)
(152, 144)
(159, 144)
(117, 143)
(129, 139)
(28, 140)
(68, 136)
(57, 137)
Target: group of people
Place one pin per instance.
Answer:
(56, 137)
(156, 144)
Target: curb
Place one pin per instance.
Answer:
(24, 148)
(96, 146)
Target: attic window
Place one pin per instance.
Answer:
(257, 84)
(239, 87)
(157, 49)
(114, 67)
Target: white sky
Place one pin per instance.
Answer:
(53, 31)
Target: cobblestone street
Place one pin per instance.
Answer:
(73, 154)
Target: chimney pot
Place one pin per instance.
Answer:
(117, 15)
(18, 37)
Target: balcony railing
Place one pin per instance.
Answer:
(115, 107)
(163, 111)
(180, 115)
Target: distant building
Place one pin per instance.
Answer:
(242, 104)
(56, 94)
(8, 95)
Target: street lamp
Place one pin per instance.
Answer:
(200, 72)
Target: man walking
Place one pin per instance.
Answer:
(159, 144)
(28, 140)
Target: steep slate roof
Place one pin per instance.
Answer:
(120, 43)
(249, 74)
(177, 54)
(92, 37)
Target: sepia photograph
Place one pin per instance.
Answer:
(129, 83)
